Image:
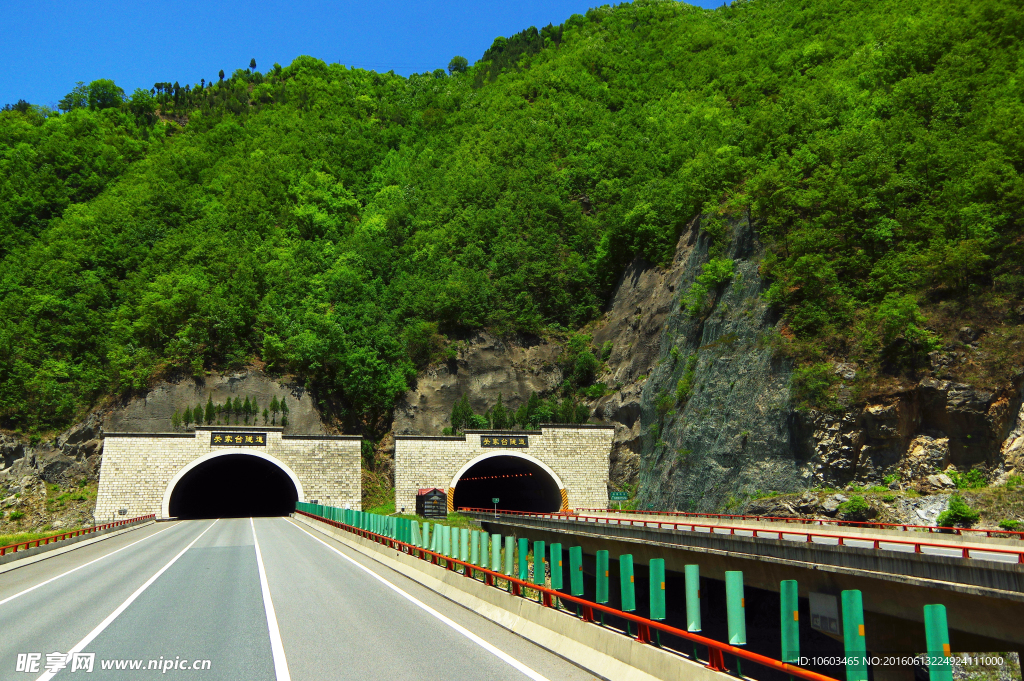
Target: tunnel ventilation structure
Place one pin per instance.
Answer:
(233, 486)
(519, 483)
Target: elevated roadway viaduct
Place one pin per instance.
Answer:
(983, 593)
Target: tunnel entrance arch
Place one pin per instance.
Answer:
(232, 482)
(520, 481)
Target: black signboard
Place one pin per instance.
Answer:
(432, 504)
(238, 439)
(505, 441)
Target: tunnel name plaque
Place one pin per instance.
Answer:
(238, 439)
(505, 441)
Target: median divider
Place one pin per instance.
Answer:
(570, 614)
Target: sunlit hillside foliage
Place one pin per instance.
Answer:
(333, 222)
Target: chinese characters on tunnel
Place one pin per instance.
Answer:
(505, 441)
(236, 439)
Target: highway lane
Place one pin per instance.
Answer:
(191, 591)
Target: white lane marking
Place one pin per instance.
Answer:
(65, 574)
(124, 606)
(500, 654)
(276, 645)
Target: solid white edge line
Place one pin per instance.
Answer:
(276, 645)
(500, 654)
(124, 606)
(106, 555)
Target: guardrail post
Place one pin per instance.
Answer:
(524, 549)
(484, 552)
(937, 636)
(853, 636)
(556, 566)
(474, 548)
(495, 553)
(509, 556)
(576, 580)
(417, 538)
(789, 614)
(627, 587)
(601, 591)
(657, 574)
(464, 544)
(735, 605)
(538, 568)
(446, 540)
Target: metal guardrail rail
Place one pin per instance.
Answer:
(33, 543)
(866, 524)
(716, 649)
(878, 543)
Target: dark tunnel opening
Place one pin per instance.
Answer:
(519, 484)
(233, 486)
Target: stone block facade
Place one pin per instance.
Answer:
(139, 469)
(577, 455)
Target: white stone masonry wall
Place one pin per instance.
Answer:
(137, 469)
(578, 455)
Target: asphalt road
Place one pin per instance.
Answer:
(245, 599)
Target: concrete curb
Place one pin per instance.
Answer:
(12, 561)
(603, 652)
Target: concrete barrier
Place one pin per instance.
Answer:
(21, 558)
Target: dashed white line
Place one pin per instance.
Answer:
(65, 574)
(124, 606)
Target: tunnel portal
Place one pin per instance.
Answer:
(234, 486)
(518, 483)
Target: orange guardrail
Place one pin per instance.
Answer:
(877, 543)
(547, 597)
(33, 543)
(905, 527)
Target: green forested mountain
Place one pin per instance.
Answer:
(334, 221)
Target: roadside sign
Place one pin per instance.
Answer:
(494, 500)
(618, 496)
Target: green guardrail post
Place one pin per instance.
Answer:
(853, 636)
(464, 544)
(789, 615)
(417, 536)
(495, 553)
(484, 552)
(576, 573)
(474, 548)
(692, 574)
(627, 582)
(656, 572)
(538, 567)
(937, 636)
(736, 614)
(446, 540)
(524, 549)
(556, 567)
(509, 556)
(602, 592)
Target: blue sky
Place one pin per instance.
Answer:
(49, 46)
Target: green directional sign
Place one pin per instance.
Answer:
(618, 496)
(494, 500)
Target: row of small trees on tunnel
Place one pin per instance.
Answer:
(221, 414)
(528, 416)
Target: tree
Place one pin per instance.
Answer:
(275, 407)
(211, 411)
(104, 94)
(197, 415)
(458, 65)
(175, 420)
(221, 74)
(499, 415)
(246, 409)
(187, 417)
(237, 408)
(462, 415)
(284, 413)
(76, 99)
(284, 420)
(266, 416)
(252, 63)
